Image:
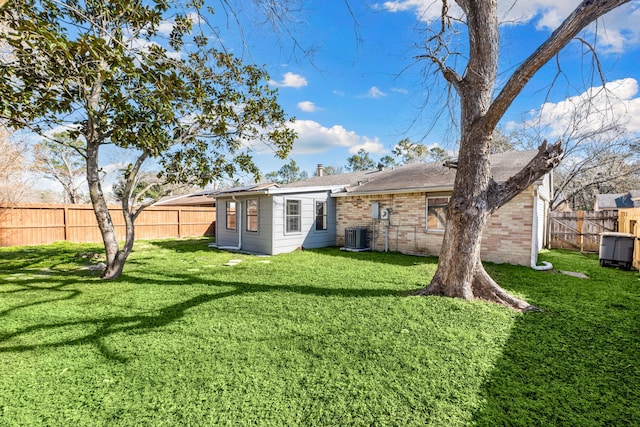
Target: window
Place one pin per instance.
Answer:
(293, 216)
(231, 215)
(252, 215)
(437, 213)
(321, 215)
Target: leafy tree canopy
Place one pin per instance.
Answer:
(287, 174)
(110, 73)
(410, 152)
(361, 161)
(106, 70)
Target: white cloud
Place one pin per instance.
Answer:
(290, 80)
(425, 10)
(374, 92)
(400, 90)
(370, 145)
(308, 106)
(617, 102)
(617, 30)
(313, 138)
(165, 28)
(621, 28)
(137, 44)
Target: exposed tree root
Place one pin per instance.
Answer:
(481, 287)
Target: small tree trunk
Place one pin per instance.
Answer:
(115, 257)
(101, 211)
(114, 270)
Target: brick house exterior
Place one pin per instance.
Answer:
(507, 237)
(414, 199)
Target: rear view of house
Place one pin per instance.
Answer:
(400, 209)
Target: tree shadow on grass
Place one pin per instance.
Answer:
(95, 330)
(575, 364)
(99, 328)
(59, 289)
(45, 256)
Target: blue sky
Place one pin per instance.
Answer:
(353, 81)
(363, 88)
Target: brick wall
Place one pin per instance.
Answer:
(507, 237)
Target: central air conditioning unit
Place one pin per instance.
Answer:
(355, 238)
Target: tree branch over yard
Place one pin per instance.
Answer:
(108, 73)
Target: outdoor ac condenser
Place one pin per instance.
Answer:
(355, 238)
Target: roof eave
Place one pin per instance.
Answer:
(314, 189)
(283, 190)
(433, 189)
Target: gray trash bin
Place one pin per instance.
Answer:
(616, 249)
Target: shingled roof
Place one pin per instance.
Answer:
(408, 178)
(433, 176)
(340, 179)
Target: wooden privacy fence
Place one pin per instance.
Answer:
(580, 230)
(36, 224)
(629, 222)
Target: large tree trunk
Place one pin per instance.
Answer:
(460, 272)
(475, 194)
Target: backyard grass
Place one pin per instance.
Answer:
(318, 337)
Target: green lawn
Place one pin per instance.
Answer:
(319, 337)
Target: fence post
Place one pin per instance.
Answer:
(579, 227)
(65, 221)
(179, 223)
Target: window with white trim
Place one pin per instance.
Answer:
(321, 215)
(437, 213)
(252, 215)
(292, 216)
(231, 215)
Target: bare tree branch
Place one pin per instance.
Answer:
(544, 161)
(587, 12)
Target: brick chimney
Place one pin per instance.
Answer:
(320, 170)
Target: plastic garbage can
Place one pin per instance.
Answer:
(616, 250)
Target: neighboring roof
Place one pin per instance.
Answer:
(201, 198)
(436, 177)
(605, 202)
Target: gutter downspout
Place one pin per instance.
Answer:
(534, 238)
(217, 224)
